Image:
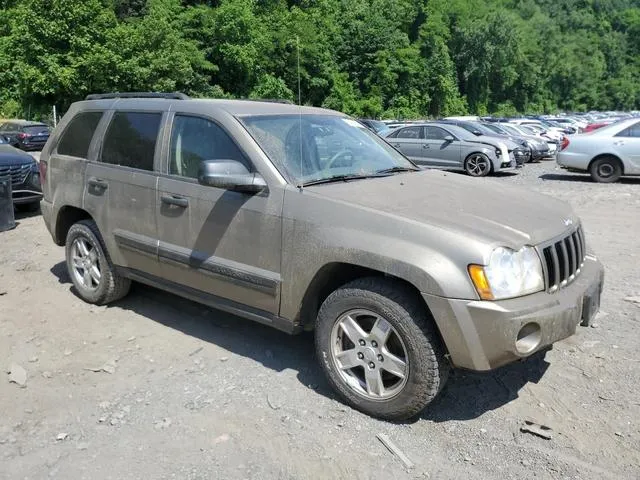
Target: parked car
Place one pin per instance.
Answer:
(538, 146)
(452, 147)
(25, 177)
(526, 130)
(522, 149)
(25, 135)
(607, 153)
(303, 219)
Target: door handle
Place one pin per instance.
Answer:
(617, 144)
(396, 145)
(98, 183)
(175, 200)
(426, 146)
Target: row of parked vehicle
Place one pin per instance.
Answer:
(477, 146)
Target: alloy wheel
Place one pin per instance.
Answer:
(86, 265)
(478, 166)
(369, 354)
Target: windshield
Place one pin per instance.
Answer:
(496, 129)
(308, 148)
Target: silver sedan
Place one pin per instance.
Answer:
(452, 147)
(607, 153)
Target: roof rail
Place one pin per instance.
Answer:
(168, 96)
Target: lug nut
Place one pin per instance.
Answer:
(374, 344)
(362, 342)
(372, 365)
(360, 355)
(380, 358)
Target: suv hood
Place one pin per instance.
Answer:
(487, 210)
(12, 156)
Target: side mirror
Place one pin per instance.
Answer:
(230, 175)
(477, 133)
(449, 138)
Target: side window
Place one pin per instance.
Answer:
(194, 139)
(632, 131)
(435, 133)
(131, 139)
(410, 132)
(77, 136)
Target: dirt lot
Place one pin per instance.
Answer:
(186, 392)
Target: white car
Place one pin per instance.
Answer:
(606, 153)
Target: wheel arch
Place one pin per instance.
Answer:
(334, 275)
(606, 155)
(67, 216)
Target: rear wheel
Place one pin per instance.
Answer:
(477, 165)
(90, 267)
(606, 170)
(379, 348)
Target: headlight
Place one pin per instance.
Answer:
(509, 274)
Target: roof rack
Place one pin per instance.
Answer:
(168, 96)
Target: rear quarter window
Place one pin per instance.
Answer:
(131, 139)
(77, 136)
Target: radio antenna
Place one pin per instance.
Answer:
(299, 107)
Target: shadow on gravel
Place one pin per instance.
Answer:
(466, 396)
(273, 349)
(470, 394)
(584, 177)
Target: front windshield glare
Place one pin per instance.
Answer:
(308, 148)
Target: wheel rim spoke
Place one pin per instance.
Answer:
(352, 329)
(394, 365)
(373, 379)
(86, 278)
(95, 274)
(380, 331)
(348, 359)
(82, 247)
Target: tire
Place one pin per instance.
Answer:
(473, 165)
(100, 289)
(412, 329)
(606, 170)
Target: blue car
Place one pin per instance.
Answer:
(23, 170)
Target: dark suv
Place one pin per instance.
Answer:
(303, 219)
(25, 177)
(25, 135)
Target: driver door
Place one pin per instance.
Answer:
(222, 243)
(444, 153)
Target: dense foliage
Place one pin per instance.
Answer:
(394, 58)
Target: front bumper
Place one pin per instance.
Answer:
(482, 335)
(28, 191)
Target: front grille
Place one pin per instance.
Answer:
(564, 259)
(18, 173)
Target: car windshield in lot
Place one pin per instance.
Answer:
(318, 148)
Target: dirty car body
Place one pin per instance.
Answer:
(306, 220)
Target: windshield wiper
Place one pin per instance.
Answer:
(339, 178)
(398, 170)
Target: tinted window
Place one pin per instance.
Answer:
(410, 132)
(36, 129)
(78, 134)
(131, 140)
(435, 133)
(195, 139)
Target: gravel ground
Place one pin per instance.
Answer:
(158, 387)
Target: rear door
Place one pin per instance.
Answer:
(442, 152)
(627, 143)
(409, 140)
(224, 243)
(120, 188)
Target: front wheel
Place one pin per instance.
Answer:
(379, 348)
(477, 165)
(606, 170)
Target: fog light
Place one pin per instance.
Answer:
(528, 338)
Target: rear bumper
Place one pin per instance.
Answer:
(47, 214)
(482, 335)
(579, 161)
